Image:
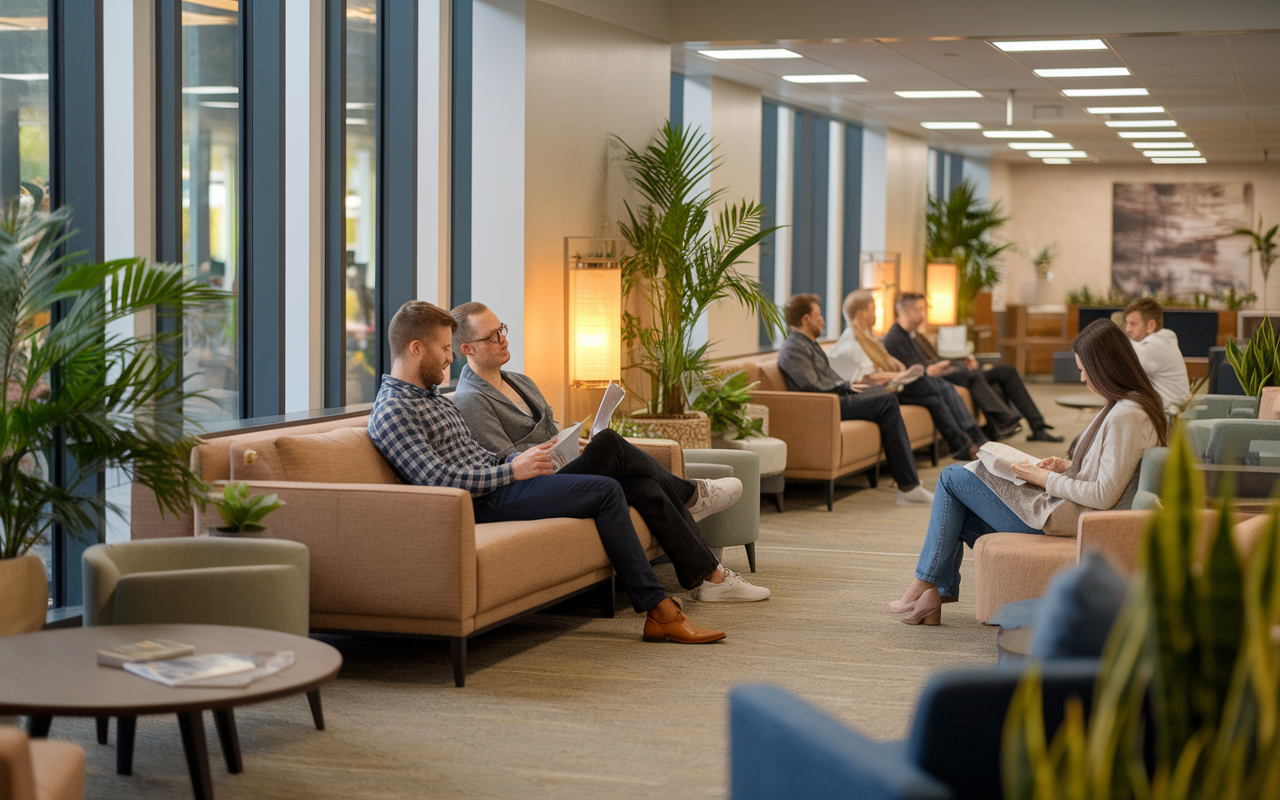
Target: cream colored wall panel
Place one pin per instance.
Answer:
(906, 170)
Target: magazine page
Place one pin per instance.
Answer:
(566, 448)
(999, 460)
(179, 671)
(910, 376)
(267, 664)
(608, 404)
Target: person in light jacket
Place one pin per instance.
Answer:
(1101, 473)
(1158, 352)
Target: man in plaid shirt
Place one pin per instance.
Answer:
(427, 442)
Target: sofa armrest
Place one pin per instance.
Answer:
(781, 747)
(666, 451)
(1114, 534)
(809, 422)
(268, 596)
(380, 549)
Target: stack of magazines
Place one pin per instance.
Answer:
(172, 664)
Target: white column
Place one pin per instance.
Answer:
(835, 229)
(298, 234)
(782, 238)
(697, 115)
(497, 164)
(428, 271)
(875, 188)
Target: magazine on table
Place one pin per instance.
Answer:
(150, 650)
(999, 460)
(566, 446)
(213, 669)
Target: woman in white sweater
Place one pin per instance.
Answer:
(1101, 473)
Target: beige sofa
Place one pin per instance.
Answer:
(820, 447)
(404, 560)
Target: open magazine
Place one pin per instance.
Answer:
(909, 376)
(566, 448)
(213, 669)
(999, 460)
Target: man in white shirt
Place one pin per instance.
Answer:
(1157, 349)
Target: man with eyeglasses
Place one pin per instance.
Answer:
(507, 414)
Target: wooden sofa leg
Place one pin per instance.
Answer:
(607, 594)
(831, 494)
(751, 555)
(873, 476)
(777, 501)
(458, 649)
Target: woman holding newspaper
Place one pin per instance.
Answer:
(1006, 490)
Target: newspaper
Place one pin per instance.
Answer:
(999, 460)
(232, 670)
(608, 404)
(566, 446)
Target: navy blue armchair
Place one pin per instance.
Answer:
(781, 747)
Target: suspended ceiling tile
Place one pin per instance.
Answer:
(1139, 50)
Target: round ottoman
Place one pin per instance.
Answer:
(773, 460)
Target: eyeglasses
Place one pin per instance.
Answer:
(494, 338)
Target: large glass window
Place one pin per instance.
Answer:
(362, 65)
(210, 200)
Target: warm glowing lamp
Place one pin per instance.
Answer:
(942, 290)
(878, 273)
(594, 306)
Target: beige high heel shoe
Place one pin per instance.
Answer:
(902, 606)
(927, 610)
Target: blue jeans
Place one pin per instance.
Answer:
(964, 508)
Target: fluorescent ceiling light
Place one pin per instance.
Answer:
(1051, 44)
(24, 76)
(758, 52)
(1056, 160)
(1017, 134)
(951, 126)
(1151, 135)
(1058, 154)
(1141, 123)
(824, 78)
(1125, 110)
(1179, 161)
(1040, 146)
(1163, 145)
(211, 90)
(939, 95)
(1083, 72)
(1167, 154)
(1132, 92)
(219, 104)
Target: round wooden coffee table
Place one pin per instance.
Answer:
(55, 673)
(1082, 401)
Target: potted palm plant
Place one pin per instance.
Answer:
(110, 399)
(683, 260)
(1262, 242)
(961, 228)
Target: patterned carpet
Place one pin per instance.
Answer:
(565, 704)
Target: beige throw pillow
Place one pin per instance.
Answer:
(345, 455)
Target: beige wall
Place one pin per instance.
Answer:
(906, 197)
(584, 80)
(736, 119)
(1071, 205)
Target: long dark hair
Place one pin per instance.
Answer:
(1116, 374)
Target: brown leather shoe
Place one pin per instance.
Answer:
(671, 625)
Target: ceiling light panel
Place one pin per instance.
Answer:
(759, 52)
(1058, 154)
(1084, 72)
(1141, 123)
(1056, 160)
(1179, 161)
(1131, 92)
(849, 78)
(1151, 135)
(1051, 45)
(1017, 134)
(1040, 146)
(1163, 145)
(1125, 109)
(951, 126)
(1174, 154)
(939, 95)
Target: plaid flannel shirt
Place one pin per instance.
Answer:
(425, 439)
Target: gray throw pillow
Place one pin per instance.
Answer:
(1078, 611)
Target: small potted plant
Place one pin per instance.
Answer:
(242, 512)
(724, 399)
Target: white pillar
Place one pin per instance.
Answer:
(782, 205)
(875, 188)
(428, 268)
(835, 229)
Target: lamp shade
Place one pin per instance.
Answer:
(595, 326)
(878, 274)
(942, 288)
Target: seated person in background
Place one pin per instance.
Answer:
(805, 368)
(1100, 474)
(1157, 349)
(424, 438)
(946, 407)
(506, 413)
(904, 344)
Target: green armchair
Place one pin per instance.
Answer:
(740, 524)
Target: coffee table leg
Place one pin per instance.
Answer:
(38, 727)
(225, 720)
(317, 712)
(104, 725)
(125, 729)
(191, 723)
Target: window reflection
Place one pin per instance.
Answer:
(210, 201)
(361, 190)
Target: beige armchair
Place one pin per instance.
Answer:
(39, 769)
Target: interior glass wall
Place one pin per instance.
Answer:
(210, 200)
(362, 66)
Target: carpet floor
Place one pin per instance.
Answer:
(564, 704)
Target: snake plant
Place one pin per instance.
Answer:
(1258, 365)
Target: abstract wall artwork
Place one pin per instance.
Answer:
(1175, 238)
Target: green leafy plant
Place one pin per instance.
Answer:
(243, 512)
(961, 228)
(1258, 366)
(1264, 244)
(683, 260)
(1234, 302)
(1043, 259)
(113, 399)
(1194, 649)
(724, 398)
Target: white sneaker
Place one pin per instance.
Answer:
(918, 496)
(733, 589)
(715, 495)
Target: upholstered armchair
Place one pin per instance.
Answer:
(39, 769)
(739, 524)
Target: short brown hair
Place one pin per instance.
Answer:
(854, 302)
(904, 302)
(1149, 309)
(416, 320)
(465, 331)
(799, 307)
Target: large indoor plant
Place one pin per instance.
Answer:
(1258, 365)
(1263, 242)
(110, 399)
(961, 227)
(683, 259)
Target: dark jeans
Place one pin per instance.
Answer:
(883, 410)
(999, 415)
(1010, 382)
(950, 414)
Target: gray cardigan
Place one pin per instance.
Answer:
(495, 422)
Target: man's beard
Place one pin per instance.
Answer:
(430, 376)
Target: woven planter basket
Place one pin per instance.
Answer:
(692, 431)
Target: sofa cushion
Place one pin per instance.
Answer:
(343, 456)
(771, 379)
(859, 441)
(1078, 611)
